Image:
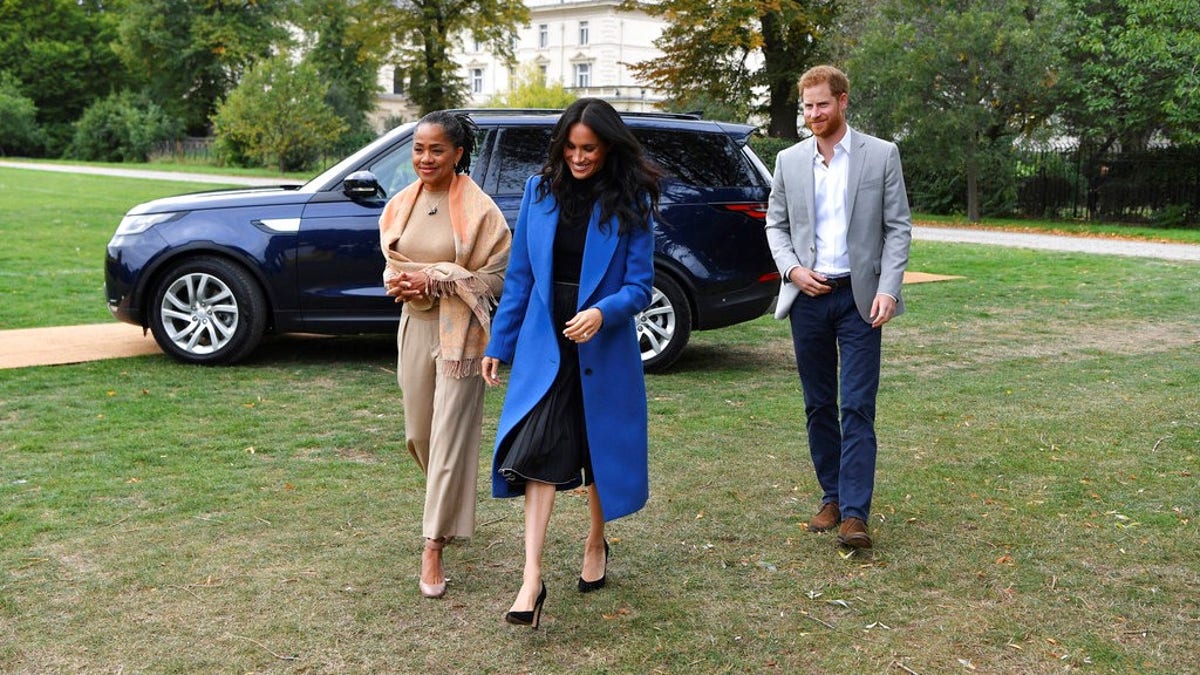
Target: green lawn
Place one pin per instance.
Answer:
(1036, 508)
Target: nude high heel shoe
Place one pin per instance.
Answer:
(434, 590)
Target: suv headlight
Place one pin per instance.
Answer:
(140, 223)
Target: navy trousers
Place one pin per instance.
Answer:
(825, 330)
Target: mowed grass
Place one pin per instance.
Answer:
(55, 227)
(1035, 509)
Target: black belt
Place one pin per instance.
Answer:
(837, 282)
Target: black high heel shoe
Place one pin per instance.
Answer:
(532, 617)
(586, 586)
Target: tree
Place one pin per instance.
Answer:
(732, 51)
(958, 81)
(277, 116)
(528, 89)
(188, 54)
(1132, 73)
(424, 29)
(19, 131)
(346, 45)
(59, 51)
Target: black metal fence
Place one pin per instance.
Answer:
(1158, 187)
(190, 148)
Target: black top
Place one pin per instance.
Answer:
(571, 234)
(569, 239)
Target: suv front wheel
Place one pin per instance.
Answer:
(207, 311)
(664, 326)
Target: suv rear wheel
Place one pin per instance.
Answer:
(664, 326)
(208, 311)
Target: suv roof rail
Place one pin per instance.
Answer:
(556, 111)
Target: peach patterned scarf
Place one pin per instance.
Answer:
(467, 288)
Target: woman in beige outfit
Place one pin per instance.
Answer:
(446, 245)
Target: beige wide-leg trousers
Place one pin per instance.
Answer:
(442, 426)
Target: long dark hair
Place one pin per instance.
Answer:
(461, 131)
(626, 186)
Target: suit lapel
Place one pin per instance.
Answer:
(858, 160)
(808, 184)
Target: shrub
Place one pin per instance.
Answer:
(277, 117)
(767, 147)
(124, 127)
(1173, 216)
(19, 131)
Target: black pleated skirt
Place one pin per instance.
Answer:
(550, 444)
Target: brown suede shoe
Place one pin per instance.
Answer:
(853, 533)
(826, 519)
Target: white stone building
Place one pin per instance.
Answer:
(586, 45)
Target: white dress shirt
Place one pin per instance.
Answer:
(829, 181)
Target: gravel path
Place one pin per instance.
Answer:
(1057, 242)
(148, 174)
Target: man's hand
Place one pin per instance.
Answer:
(810, 282)
(883, 308)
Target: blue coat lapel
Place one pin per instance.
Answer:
(541, 252)
(597, 254)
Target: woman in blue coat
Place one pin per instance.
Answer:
(581, 268)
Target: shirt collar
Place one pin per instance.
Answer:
(843, 146)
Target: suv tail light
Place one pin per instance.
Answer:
(756, 210)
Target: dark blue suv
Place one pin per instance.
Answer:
(210, 273)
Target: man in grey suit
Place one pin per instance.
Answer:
(839, 229)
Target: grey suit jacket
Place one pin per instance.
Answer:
(880, 225)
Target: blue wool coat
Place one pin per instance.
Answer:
(616, 278)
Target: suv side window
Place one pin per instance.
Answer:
(395, 169)
(523, 152)
(706, 160)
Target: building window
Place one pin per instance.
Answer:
(397, 81)
(478, 46)
(583, 32)
(477, 80)
(583, 75)
(542, 74)
(543, 36)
